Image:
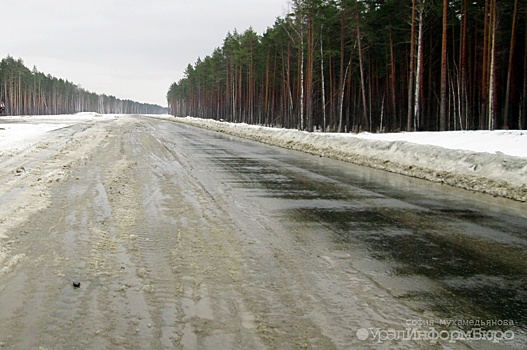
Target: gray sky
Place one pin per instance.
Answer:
(132, 49)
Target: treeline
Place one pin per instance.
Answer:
(30, 92)
(376, 65)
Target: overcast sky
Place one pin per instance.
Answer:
(132, 49)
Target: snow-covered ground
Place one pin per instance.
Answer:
(509, 142)
(493, 162)
(20, 132)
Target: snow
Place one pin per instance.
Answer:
(16, 136)
(510, 142)
(21, 132)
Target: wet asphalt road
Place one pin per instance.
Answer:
(190, 239)
(458, 255)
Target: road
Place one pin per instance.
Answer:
(181, 238)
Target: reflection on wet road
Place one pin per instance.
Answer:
(458, 255)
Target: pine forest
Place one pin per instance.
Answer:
(30, 92)
(369, 65)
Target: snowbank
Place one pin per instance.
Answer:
(493, 162)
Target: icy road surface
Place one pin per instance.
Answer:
(181, 238)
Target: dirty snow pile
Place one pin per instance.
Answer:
(493, 162)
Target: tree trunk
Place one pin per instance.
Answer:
(301, 85)
(522, 119)
(444, 94)
(362, 79)
(343, 71)
(393, 82)
(485, 68)
(492, 72)
(412, 73)
(323, 86)
(309, 73)
(341, 100)
(463, 69)
(509, 71)
(266, 102)
(420, 67)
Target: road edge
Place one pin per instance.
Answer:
(473, 171)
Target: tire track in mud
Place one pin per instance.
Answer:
(277, 317)
(182, 298)
(210, 309)
(123, 300)
(153, 235)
